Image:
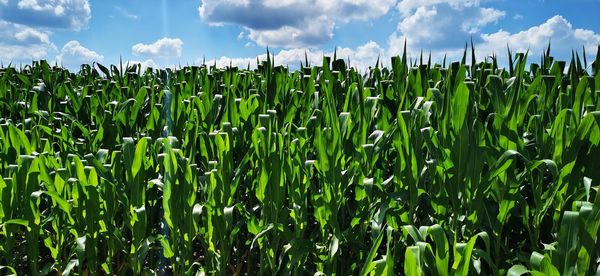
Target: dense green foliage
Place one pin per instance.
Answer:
(416, 169)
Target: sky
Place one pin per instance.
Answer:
(161, 33)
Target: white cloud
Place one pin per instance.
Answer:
(362, 57)
(33, 35)
(291, 23)
(73, 54)
(233, 61)
(406, 7)
(61, 14)
(444, 26)
(313, 32)
(436, 24)
(25, 26)
(164, 47)
(483, 17)
(75, 48)
(20, 43)
(557, 30)
(19, 53)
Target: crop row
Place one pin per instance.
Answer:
(416, 169)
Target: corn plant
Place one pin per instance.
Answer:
(459, 168)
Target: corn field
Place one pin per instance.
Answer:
(463, 168)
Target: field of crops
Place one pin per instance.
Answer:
(416, 169)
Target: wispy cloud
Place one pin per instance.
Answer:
(127, 14)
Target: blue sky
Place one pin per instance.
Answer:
(177, 32)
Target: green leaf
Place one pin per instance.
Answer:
(21, 222)
(369, 265)
(517, 270)
(139, 157)
(568, 242)
(460, 106)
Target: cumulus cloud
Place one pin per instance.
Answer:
(73, 54)
(557, 30)
(19, 53)
(32, 35)
(437, 24)
(25, 26)
(22, 44)
(291, 23)
(361, 57)
(444, 26)
(423, 28)
(315, 31)
(164, 47)
(60, 14)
